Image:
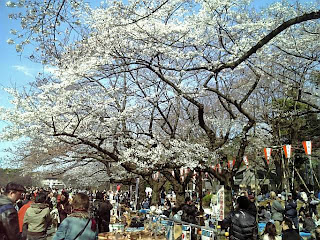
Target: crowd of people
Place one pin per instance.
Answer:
(73, 214)
(281, 215)
(30, 213)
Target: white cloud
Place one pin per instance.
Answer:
(25, 70)
(49, 69)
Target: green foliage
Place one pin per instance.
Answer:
(167, 186)
(14, 175)
(295, 123)
(206, 200)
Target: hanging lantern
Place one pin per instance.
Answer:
(267, 154)
(307, 145)
(231, 163)
(287, 151)
(245, 160)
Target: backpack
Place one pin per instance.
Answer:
(5, 208)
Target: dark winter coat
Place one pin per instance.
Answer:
(103, 209)
(291, 209)
(64, 209)
(243, 225)
(9, 224)
(102, 214)
(190, 213)
(290, 234)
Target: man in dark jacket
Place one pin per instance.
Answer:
(102, 212)
(291, 211)
(190, 211)
(288, 233)
(9, 224)
(242, 224)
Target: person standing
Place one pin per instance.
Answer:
(241, 223)
(162, 197)
(277, 211)
(291, 211)
(102, 212)
(23, 209)
(78, 225)
(64, 206)
(190, 212)
(313, 202)
(9, 224)
(37, 219)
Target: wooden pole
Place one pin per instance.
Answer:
(315, 177)
(302, 180)
(311, 171)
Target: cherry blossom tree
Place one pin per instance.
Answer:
(160, 85)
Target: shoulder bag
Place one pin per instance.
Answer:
(79, 234)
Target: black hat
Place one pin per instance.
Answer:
(11, 186)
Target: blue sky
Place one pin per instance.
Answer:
(16, 70)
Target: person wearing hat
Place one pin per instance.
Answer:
(291, 211)
(9, 224)
(277, 211)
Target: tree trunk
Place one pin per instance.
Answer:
(228, 185)
(156, 186)
(179, 190)
(142, 192)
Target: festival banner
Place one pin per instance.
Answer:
(220, 203)
(267, 154)
(186, 232)
(219, 168)
(287, 151)
(182, 174)
(231, 163)
(195, 175)
(307, 145)
(206, 234)
(245, 160)
(155, 176)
